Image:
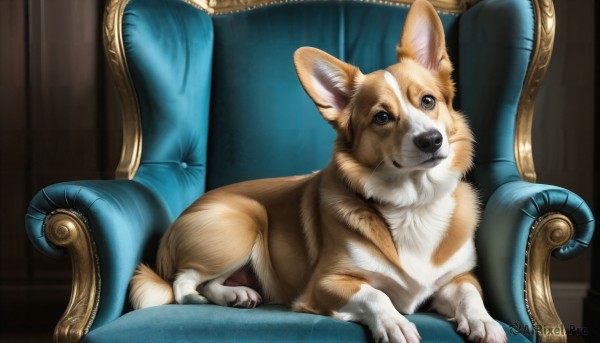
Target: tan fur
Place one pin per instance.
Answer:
(462, 227)
(462, 139)
(330, 293)
(241, 219)
(405, 50)
(295, 231)
(468, 278)
(146, 277)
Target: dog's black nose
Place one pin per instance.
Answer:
(430, 141)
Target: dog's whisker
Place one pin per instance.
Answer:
(378, 165)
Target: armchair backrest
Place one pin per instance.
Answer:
(262, 124)
(210, 90)
(161, 53)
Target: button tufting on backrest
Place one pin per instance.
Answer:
(169, 47)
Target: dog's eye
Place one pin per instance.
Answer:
(428, 102)
(382, 118)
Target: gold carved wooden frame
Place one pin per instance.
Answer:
(69, 230)
(548, 233)
(545, 24)
(553, 230)
(217, 7)
(131, 151)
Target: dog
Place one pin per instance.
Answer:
(386, 226)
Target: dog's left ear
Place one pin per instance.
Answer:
(423, 38)
(328, 81)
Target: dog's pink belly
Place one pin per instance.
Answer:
(243, 277)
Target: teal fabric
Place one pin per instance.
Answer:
(220, 103)
(496, 40)
(126, 220)
(168, 44)
(502, 241)
(172, 81)
(262, 122)
(210, 323)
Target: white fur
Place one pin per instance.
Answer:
(422, 42)
(378, 268)
(404, 292)
(418, 122)
(417, 234)
(393, 83)
(418, 207)
(236, 296)
(149, 294)
(417, 203)
(330, 85)
(463, 304)
(373, 308)
(184, 288)
(409, 225)
(411, 188)
(417, 182)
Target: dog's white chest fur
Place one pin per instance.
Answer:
(418, 230)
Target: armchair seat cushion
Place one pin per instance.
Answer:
(268, 323)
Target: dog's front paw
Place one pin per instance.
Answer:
(395, 329)
(481, 330)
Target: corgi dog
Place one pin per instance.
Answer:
(386, 226)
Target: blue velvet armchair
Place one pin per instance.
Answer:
(210, 97)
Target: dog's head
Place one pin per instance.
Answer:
(397, 121)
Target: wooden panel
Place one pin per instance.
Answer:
(32, 308)
(64, 49)
(14, 245)
(59, 121)
(591, 307)
(64, 83)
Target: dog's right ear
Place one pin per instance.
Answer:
(328, 81)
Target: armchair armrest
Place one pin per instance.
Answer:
(104, 226)
(524, 224)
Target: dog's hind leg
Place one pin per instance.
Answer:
(209, 243)
(185, 288)
(186, 285)
(236, 296)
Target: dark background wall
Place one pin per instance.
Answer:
(59, 121)
(563, 131)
